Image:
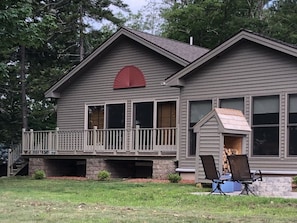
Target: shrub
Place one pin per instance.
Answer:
(294, 180)
(39, 175)
(103, 175)
(174, 178)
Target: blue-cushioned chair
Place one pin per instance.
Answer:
(211, 172)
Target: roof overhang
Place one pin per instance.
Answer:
(176, 79)
(230, 121)
(54, 91)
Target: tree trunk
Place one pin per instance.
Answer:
(23, 88)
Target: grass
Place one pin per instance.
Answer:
(26, 200)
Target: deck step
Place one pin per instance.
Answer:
(18, 167)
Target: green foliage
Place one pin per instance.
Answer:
(174, 178)
(103, 175)
(211, 22)
(294, 180)
(52, 33)
(39, 175)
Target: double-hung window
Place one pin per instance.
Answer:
(292, 124)
(197, 109)
(266, 125)
(234, 103)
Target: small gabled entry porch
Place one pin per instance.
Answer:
(134, 141)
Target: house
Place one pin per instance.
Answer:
(146, 106)
(251, 73)
(114, 111)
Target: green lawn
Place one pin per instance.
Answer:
(27, 200)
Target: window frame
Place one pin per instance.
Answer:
(190, 128)
(237, 98)
(265, 125)
(290, 125)
(87, 105)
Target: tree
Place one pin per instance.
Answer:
(40, 41)
(210, 21)
(20, 29)
(283, 20)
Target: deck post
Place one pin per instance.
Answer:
(177, 141)
(94, 139)
(137, 139)
(31, 143)
(49, 142)
(23, 140)
(57, 140)
(9, 162)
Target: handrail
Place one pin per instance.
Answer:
(14, 153)
(99, 140)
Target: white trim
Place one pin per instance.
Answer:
(176, 78)
(104, 104)
(272, 172)
(185, 170)
(276, 172)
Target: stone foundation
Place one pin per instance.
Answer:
(272, 186)
(37, 164)
(162, 168)
(94, 166)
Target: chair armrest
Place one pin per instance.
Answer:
(258, 177)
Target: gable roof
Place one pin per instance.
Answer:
(230, 121)
(176, 79)
(178, 52)
(183, 50)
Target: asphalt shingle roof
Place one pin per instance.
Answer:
(183, 50)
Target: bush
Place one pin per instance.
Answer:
(294, 180)
(103, 175)
(174, 178)
(39, 175)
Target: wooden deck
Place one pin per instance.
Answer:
(136, 141)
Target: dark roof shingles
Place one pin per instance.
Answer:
(185, 51)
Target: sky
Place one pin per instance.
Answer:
(135, 5)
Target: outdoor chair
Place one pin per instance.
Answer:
(211, 173)
(240, 171)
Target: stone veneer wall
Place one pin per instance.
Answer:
(37, 164)
(94, 165)
(162, 168)
(273, 186)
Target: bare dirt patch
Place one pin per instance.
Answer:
(67, 178)
(133, 180)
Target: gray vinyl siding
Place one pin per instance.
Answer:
(246, 70)
(208, 143)
(95, 84)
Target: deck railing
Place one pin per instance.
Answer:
(54, 142)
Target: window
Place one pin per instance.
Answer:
(151, 115)
(198, 109)
(292, 124)
(234, 103)
(144, 114)
(96, 117)
(115, 116)
(166, 114)
(266, 125)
